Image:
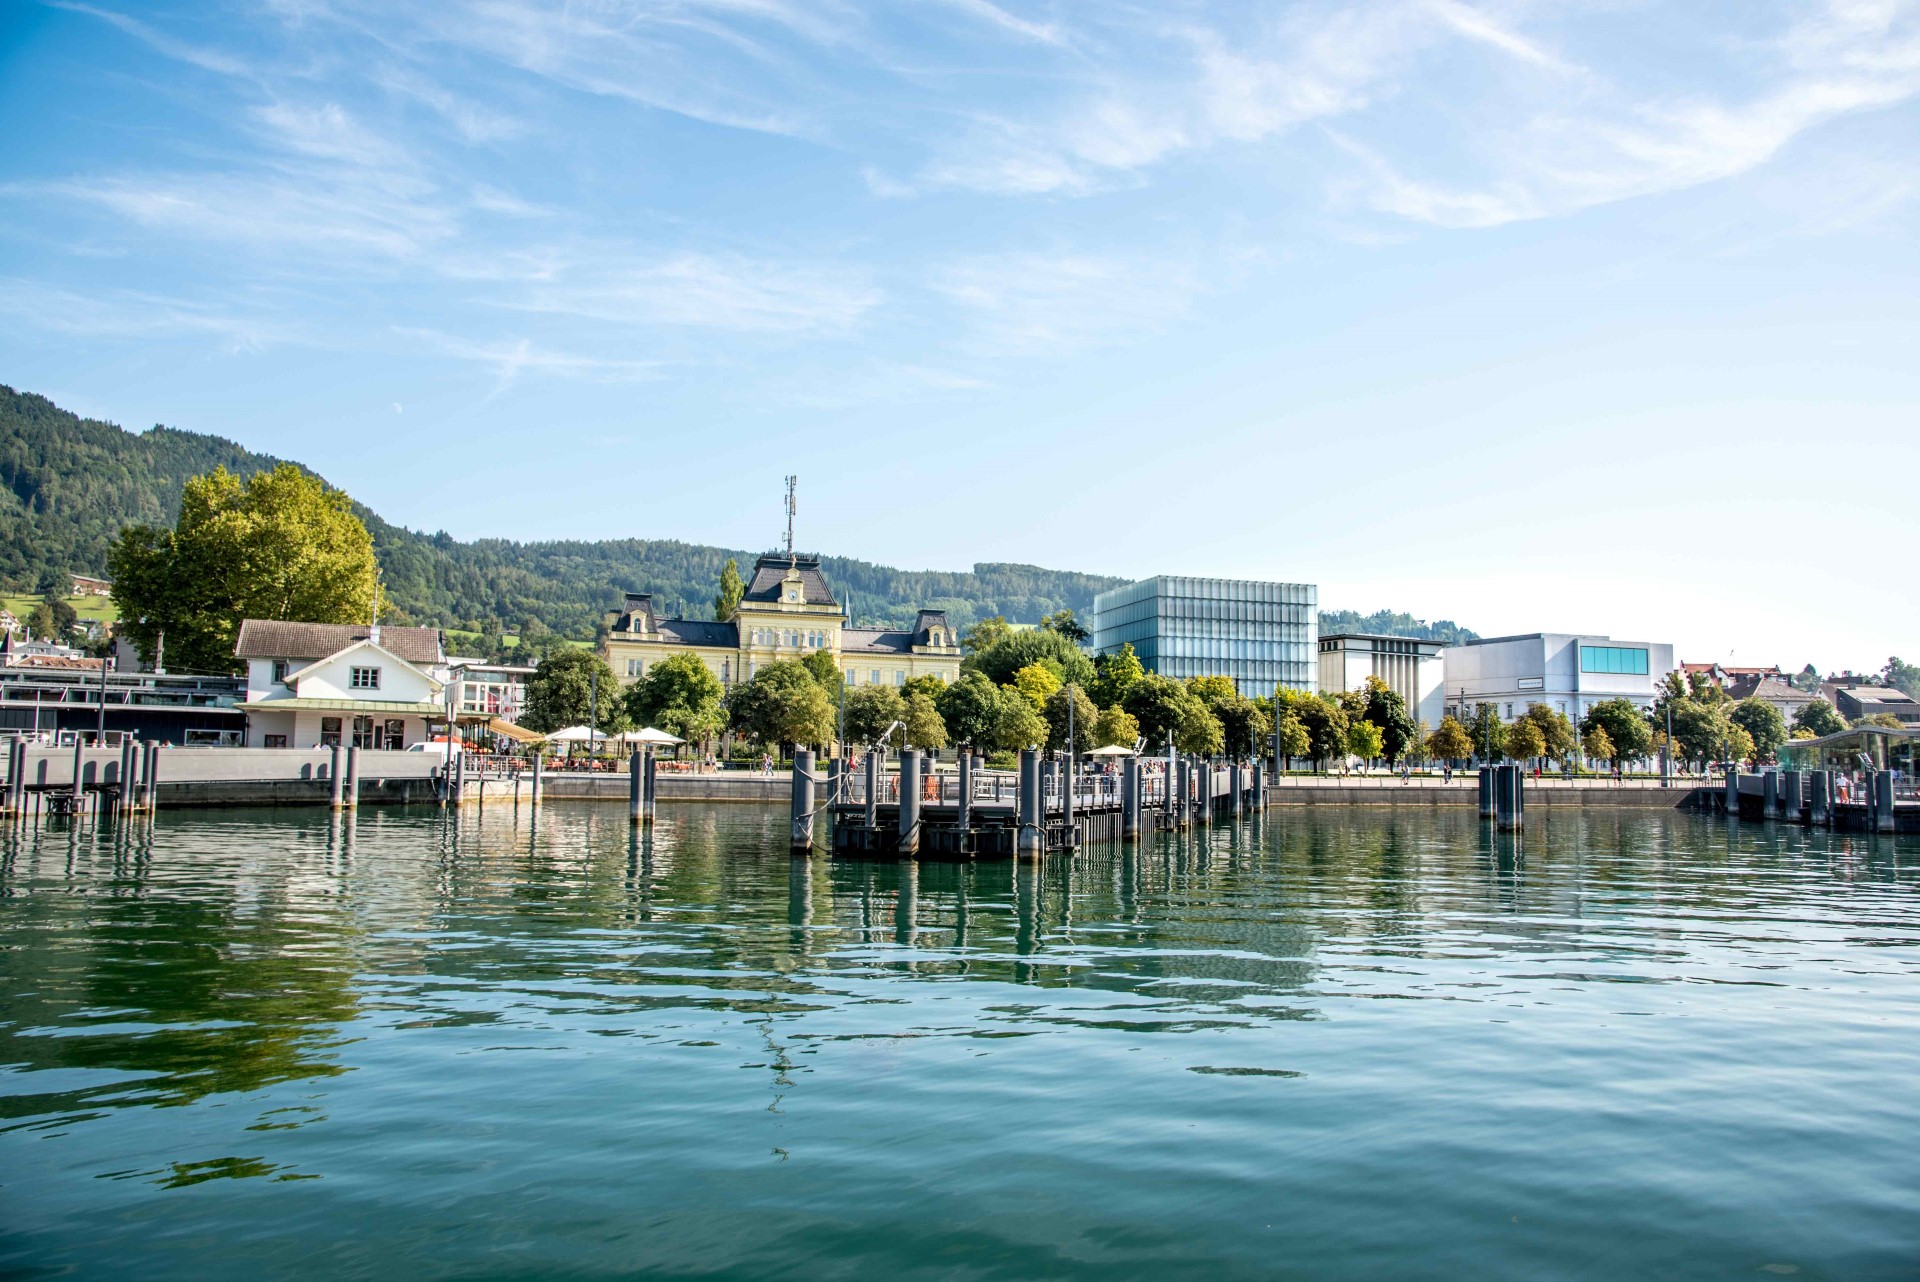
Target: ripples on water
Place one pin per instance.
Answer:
(1345, 1045)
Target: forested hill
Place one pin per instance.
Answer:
(70, 484)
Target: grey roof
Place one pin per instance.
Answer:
(699, 632)
(1769, 689)
(874, 641)
(770, 571)
(278, 639)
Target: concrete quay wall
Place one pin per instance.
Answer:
(1417, 794)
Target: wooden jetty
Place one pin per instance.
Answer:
(1044, 806)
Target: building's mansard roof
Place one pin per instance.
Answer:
(277, 639)
(770, 572)
(725, 636)
(874, 641)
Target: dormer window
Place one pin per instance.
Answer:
(363, 679)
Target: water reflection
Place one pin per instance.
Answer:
(234, 1000)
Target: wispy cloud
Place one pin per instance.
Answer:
(509, 358)
(1032, 302)
(180, 50)
(707, 291)
(128, 314)
(1853, 55)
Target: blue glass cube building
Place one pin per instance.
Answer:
(1263, 635)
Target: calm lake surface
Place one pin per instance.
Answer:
(1341, 1045)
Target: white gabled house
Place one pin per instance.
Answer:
(311, 685)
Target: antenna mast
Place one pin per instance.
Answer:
(793, 483)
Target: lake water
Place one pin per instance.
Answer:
(1336, 1045)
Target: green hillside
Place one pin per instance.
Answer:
(68, 485)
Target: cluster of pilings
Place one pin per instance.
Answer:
(1053, 808)
(1503, 796)
(126, 787)
(1813, 798)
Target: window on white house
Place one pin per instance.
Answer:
(279, 672)
(363, 679)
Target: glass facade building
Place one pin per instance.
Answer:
(1263, 635)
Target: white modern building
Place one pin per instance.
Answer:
(311, 685)
(1411, 668)
(1569, 672)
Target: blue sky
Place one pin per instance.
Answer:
(1590, 316)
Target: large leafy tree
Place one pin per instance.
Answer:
(1326, 724)
(1018, 650)
(984, 635)
(1035, 683)
(1116, 728)
(871, 710)
(1489, 733)
(680, 695)
(1363, 739)
(1699, 729)
(727, 599)
(825, 670)
(1063, 622)
(1524, 740)
(1292, 737)
(282, 545)
(573, 687)
(1596, 744)
(1450, 740)
(1085, 718)
(1159, 704)
(1557, 735)
(1386, 708)
(1763, 724)
(782, 703)
(1114, 674)
(1019, 726)
(1628, 734)
(1819, 717)
(971, 709)
(924, 728)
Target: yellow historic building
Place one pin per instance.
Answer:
(786, 612)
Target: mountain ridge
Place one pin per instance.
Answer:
(69, 484)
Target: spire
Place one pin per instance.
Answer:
(793, 506)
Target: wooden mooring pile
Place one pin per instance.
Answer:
(913, 812)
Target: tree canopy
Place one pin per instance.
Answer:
(1449, 740)
(1628, 734)
(727, 599)
(782, 703)
(1114, 674)
(281, 545)
(1819, 717)
(1006, 656)
(558, 694)
(1084, 720)
(1762, 723)
(971, 709)
(680, 695)
(871, 710)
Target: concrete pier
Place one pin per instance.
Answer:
(1130, 799)
(353, 778)
(1486, 792)
(1883, 815)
